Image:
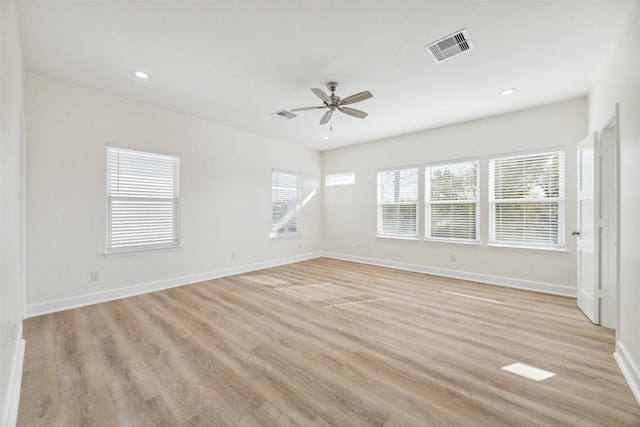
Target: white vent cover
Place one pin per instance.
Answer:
(450, 46)
(284, 114)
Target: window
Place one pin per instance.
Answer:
(451, 201)
(526, 196)
(143, 200)
(286, 197)
(347, 178)
(398, 202)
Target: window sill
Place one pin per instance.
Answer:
(454, 242)
(410, 238)
(129, 252)
(527, 248)
(285, 236)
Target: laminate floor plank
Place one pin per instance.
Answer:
(39, 376)
(323, 343)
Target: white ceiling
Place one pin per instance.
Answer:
(235, 62)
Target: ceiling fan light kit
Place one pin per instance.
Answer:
(333, 102)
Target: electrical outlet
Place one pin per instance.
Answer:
(357, 247)
(94, 276)
(299, 245)
(452, 257)
(233, 255)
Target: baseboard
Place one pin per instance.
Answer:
(548, 288)
(630, 370)
(12, 399)
(33, 310)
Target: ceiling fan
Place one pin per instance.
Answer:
(333, 102)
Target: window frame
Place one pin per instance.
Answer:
(295, 207)
(340, 179)
(428, 203)
(114, 196)
(380, 205)
(560, 201)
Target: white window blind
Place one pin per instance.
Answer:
(286, 197)
(451, 201)
(526, 196)
(398, 202)
(143, 199)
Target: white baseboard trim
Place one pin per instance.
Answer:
(12, 399)
(630, 370)
(33, 310)
(528, 285)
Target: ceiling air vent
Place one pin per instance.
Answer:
(284, 114)
(452, 45)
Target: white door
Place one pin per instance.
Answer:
(588, 227)
(608, 228)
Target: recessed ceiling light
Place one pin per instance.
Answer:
(510, 91)
(325, 137)
(140, 74)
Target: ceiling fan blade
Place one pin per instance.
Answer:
(356, 98)
(353, 112)
(326, 117)
(308, 108)
(320, 94)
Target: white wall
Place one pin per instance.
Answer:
(11, 214)
(619, 82)
(350, 211)
(226, 197)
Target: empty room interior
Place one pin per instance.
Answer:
(345, 213)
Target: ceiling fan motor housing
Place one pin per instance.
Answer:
(332, 86)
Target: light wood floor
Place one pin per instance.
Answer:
(323, 342)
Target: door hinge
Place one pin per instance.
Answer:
(601, 293)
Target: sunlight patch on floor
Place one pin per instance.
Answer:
(266, 279)
(472, 297)
(318, 291)
(347, 304)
